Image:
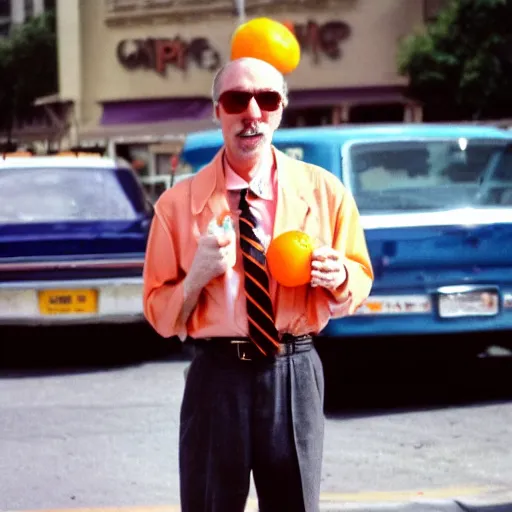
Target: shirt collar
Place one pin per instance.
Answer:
(260, 185)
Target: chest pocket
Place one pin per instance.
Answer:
(311, 223)
(313, 227)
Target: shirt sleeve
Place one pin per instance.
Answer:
(163, 280)
(349, 240)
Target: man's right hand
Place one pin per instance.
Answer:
(214, 256)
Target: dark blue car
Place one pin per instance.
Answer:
(73, 232)
(436, 203)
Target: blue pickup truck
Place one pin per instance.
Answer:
(436, 203)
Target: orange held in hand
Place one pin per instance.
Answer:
(289, 258)
(268, 40)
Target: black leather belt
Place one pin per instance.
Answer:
(245, 350)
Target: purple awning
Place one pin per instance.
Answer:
(147, 111)
(133, 132)
(194, 109)
(329, 97)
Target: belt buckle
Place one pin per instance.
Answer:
(240, 350)
(286, 349)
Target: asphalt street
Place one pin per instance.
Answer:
(89, 418)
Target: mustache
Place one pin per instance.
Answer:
(252, 129)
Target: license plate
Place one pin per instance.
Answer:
(68, 302)
(482, 302)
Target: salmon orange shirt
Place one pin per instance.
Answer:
(292, 195)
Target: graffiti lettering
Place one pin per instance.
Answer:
(323, 38)
(158, 54)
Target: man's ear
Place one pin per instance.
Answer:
(216, 112)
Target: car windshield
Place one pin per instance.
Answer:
(429, 175)
(59, 195)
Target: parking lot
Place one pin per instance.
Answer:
(89, 418)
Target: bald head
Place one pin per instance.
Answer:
(249, 96)
(247, 69)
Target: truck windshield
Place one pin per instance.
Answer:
(429, 175)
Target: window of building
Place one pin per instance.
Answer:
(5, 8)
(379, 113)
(358, 114)
(29, 8)
(314, 116)
(5, 27)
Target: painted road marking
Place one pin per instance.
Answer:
(387, 496)
(332, 498)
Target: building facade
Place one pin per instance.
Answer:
(140, 71)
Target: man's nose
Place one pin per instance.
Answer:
(253, 109)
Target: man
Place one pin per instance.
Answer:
(253, 397)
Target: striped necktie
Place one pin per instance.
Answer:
(262, 330)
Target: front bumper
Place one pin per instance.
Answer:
(71, 302)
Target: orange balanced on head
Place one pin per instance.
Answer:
(289, 258)
(268, 40)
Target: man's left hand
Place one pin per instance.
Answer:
(327, 269)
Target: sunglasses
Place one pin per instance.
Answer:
(236, 102)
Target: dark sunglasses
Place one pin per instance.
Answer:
(235, 102)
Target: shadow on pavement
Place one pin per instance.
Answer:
(28, 351)
(362, 377)
(392, 376)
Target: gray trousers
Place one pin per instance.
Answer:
(242, 416)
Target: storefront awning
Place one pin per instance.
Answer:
(171, 119)
(308, 98)
(155, 110)
(146, 132)
(191, 109)
(151, 120)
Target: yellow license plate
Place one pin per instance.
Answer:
(68, 302)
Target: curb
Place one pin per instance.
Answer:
(445, 500)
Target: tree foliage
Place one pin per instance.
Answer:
(28, 68)
(460, 65)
